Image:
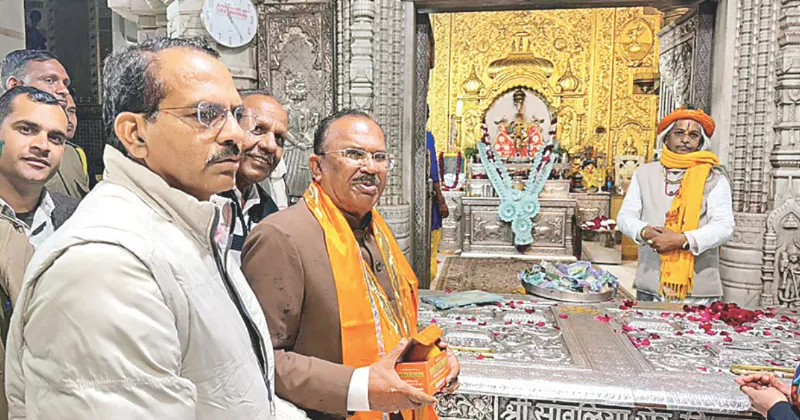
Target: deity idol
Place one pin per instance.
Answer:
(527, 135)
(503, 143)
(535, 139)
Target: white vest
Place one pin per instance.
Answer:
(655, 205)
(170, 232)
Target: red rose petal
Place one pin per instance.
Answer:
(728, 339)
(433, 321)
(603, 318)
(508, 322)
(530, 310)
(563, 316)
(646, 342)
(480, 357)
(767, 333)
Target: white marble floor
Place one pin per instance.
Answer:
(625, 272)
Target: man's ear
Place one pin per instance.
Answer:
(129, 128)
(315, 166)
(13, 82)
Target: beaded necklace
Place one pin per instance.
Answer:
(670, 182)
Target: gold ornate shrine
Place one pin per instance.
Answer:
(595, 68)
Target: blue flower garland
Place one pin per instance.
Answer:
(517, 207)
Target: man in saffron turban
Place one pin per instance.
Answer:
(679, 211)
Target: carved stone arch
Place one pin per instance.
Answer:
(535, 82)
(783, 229)
(514, 84)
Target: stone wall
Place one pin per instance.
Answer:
(12, 27)
(750, 137)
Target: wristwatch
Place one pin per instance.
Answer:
(685, 245)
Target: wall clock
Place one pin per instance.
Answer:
(232, 23)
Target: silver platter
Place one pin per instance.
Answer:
(565, 296)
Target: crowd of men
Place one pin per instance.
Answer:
(183, 286)
(151, 295)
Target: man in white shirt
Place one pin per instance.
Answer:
(679, 211)
(263, 148)
(33, 128)
(32, 134)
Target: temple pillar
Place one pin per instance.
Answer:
(371, 44)
(747, 85)
(783, 222)
(183, 21)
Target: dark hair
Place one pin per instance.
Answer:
(35, 95)
(131, 83)
(15, 63)
(322, 128)
(248, 92)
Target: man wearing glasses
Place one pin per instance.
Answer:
(335, 286)
(133, 309)
(263, 148)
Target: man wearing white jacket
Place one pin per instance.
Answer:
(133, 310)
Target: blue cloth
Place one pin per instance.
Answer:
(782, 411)
(431, 145)
(455, 300)
(436, 216)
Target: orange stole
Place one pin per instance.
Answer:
(677, 267)
(361, 298)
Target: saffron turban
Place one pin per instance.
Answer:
(697, 115)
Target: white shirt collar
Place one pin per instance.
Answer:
(252, 199)
(42, 219)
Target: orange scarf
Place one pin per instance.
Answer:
(370, 325)
(677, 267)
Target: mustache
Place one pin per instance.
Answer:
(368, 179)
(231, 150)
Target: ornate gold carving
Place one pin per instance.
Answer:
(595, 58)
(637, 41)
(521, 56)
(473, 85)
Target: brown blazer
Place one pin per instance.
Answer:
(286, 262)
(15, 253)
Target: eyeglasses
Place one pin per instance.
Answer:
(213, 116)
(358, 157)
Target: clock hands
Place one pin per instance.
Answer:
(230, 18)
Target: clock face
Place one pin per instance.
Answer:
(232, 23)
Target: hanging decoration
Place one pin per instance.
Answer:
(516, 207)
(459, 162)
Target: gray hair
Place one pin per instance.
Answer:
(131, 83)
(325, 124)
(16, 62)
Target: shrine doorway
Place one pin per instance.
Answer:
(418, 61)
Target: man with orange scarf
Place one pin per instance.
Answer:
(338, 293)
(679, 211)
